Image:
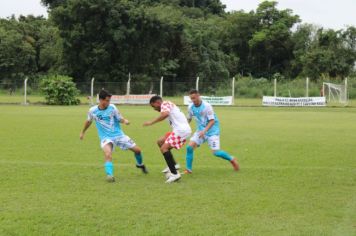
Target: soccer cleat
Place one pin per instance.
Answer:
(187, 172)
(235, 164)
(166, 170)
(167, 175)
(173, 178)
(110, 179)
(143, 168)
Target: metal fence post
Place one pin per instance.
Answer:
(161, 87)
(197, 84)
(128, 85)
(25, 92)
(233, 90)
(92, 91)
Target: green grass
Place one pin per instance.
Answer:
(298, 176)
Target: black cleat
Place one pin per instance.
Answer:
(143, 168)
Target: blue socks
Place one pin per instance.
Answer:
(190, 155)
(138, 159)
(189, 158)
(109, 168)
(224, 155)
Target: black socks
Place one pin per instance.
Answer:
(170, 162)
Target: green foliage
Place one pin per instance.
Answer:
(17, 55)
(177, 39)
(29, 46)
(60, 90)
(271, 43)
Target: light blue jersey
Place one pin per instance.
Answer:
(203, 114)
(107, 121)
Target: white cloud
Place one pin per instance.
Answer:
(21, 7)
(327, 13)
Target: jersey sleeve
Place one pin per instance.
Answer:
(90, 116)
(210, 113)
(117, 114)
(166, 107)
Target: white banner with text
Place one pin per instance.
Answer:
(130, 99)
(293, 102)
(217, 101)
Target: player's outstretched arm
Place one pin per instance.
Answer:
(208, 126)
(120, 118)
(86, 126)
(162, 116)
(190, 115)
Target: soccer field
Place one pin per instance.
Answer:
(297, 177)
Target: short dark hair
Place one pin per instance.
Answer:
(155, 99)
(103, 94)
(193, 91)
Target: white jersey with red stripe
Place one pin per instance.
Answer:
(176, 118)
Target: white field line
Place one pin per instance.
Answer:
(85, 164)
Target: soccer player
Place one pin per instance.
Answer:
(175, 139)
(208, 130)
(108, 119)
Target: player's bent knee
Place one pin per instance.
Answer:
(193, 145)
(108, 156)
(164, 148)
(107, 153)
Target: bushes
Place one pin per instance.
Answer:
(60, 90)
(247, 87)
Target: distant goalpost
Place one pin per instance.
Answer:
(290, 101)
(336, 92)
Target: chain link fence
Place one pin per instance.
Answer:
(247, 91)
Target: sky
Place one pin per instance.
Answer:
(334, 14)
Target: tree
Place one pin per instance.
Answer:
(29, 46)
(45, 40)
(271, 45)
(108, 39)
(332, 53)
(303, 39)
(17, 57)
(208, 6)
(237, 30)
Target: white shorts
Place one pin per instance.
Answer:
(213, 141)
(124, 142)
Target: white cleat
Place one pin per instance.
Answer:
(167, 175)
(166, 170)
(173, 178)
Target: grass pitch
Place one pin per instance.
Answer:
(298, 176)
